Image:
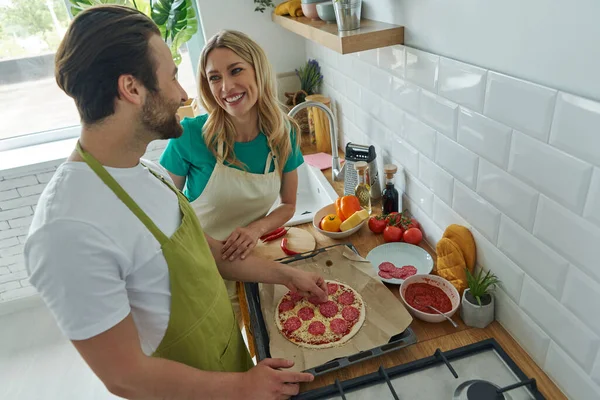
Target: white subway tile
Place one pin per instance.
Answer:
(339, 83)
(19, 222)
(16, 213)
(5, 243)
(490, 258)
(507, 193)
(393, 118)
(18, 293)
(596, 373)
(484, 136)
(419, 194)
(41, 178)
(11, 251)
(25, 282)
(9, 261)
(360, 72)
(569, 235)
(444, 216)
(405, 155)
(462, 83)
(535, 258)
(553, 172)
(22, 239)
(457, 160)
(439, 113)
(18, 266)
(392, 59)
(371, 103)
(381, 83)
(522, 105)
(330, 57)
(353, 91)
(591, 212)
(405, 95)
(5, 287)
(13, 277)
(20, 202)
(327, 75)
(9, 194)
(572, 380)
(4, 271)
(420, 135)
(362, 119)
(522, 328)
(8, 184)
(369, 56)
(4, 225)
(477, 211)
(8, 233)
(344, 64)
(422, 68)
(439, 181)
(559, 323)
(582, 297)
(575, 127)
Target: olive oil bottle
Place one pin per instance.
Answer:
(363, 190)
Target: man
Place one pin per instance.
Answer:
(117, 253)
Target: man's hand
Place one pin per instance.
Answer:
(266, 381)
(307, 284)
(239, 243)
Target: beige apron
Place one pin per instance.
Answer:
(234, 198)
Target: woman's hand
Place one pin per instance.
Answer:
(240, 243)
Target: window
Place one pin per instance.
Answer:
(34, 110)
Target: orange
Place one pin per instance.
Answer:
(331, 223)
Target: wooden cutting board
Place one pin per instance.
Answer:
(298, 239)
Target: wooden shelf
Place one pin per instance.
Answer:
(370, 35)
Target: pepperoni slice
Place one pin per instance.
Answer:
(346, 298)
(408, 270)
(398, 273)
(385, 275)
(306, 313)
(296, 297)
(316, 328)
(315, 300)
(387, 266)
(332, 288)
(286, 305)
(350, 313)
(329, 309)
(339, 326)
(292, 324)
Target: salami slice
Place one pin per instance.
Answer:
(306, 313)
(385, 275)
(398, 273)
(296, 297)
(291, 324)
(346, 298)
(387, 266)
(329, 309)
(286, 305)
(408, 270)
(332, 288)
(316, 328)
(338, 326)
(350, 313)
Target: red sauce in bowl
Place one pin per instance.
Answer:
(427, 295)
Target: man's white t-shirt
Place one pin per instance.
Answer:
(93, 261)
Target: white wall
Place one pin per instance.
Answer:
(284, 49)
(552, 42)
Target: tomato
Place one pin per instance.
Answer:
(377, 224)
(331, 223)
(349, 205)
(392, 233)
(393, 218)
(413, 236)
(338, 209)
(408, 223)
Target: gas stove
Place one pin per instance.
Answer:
(480, 371)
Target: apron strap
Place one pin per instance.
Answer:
(270, 158)
(122, 194)
(220, 149)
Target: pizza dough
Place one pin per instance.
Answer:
(308, 323)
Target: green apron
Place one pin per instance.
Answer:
(202, 331)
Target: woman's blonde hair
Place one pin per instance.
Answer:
(272, 120)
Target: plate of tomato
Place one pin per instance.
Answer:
(407, 259)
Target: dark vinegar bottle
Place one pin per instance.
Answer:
(389, 197)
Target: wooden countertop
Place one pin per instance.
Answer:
(429, 336)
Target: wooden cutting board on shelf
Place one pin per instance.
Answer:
(298, 240)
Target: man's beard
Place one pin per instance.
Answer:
(158, 117)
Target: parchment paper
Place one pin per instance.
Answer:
(386, 316)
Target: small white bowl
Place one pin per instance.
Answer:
(330, 209)
(436, 281)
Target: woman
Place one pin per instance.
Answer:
(236, 160)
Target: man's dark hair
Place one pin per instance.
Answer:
(101, 44)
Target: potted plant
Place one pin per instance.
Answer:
(262, 5)
(311, 79)
(477, 305)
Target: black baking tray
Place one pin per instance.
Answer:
(261, 336)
